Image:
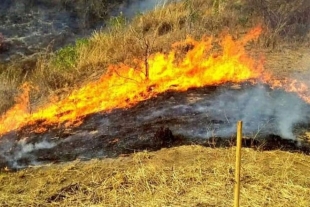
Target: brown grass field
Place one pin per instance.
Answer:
(181, 176)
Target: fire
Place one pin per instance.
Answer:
(123, 86)
(291, 85)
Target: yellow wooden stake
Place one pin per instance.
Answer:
(238, 161)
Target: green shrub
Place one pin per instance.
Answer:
(117, 21)
(66, 58)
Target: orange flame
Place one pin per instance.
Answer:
(123, 86)
(291, 85)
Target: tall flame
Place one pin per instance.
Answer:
(123, 86)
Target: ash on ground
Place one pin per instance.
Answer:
(273, 119)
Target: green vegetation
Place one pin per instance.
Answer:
(67, 57)
(117, 21)
(182, 176)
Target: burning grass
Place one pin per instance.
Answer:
(154, 32)
(189, 175)
(125, 86)
(183, 176)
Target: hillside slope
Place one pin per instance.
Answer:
(180, 176)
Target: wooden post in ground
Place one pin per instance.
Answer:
(238, 162)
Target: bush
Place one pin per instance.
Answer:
(66, 58)
(284, 19)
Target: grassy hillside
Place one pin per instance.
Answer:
(286, 25)
(183, 176)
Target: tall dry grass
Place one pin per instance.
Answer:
(182, 176)
(284, 22)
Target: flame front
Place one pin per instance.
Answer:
(123, 86)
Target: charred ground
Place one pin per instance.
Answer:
(170, 119)
(190, 175)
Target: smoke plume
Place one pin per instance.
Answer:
(263, 111)
(24, 150)
(131, 8)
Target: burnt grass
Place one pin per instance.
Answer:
(124, 131)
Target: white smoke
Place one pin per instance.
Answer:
(133, 7)
(200, 113)
(30, 147)
(22, 150)
(262, 110)
(259, 107)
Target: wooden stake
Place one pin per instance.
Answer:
(238, 160)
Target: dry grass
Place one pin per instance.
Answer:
(284, 23)
(182, 176)
(284, 20)
(10, 81)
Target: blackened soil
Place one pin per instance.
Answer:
(170, 119)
